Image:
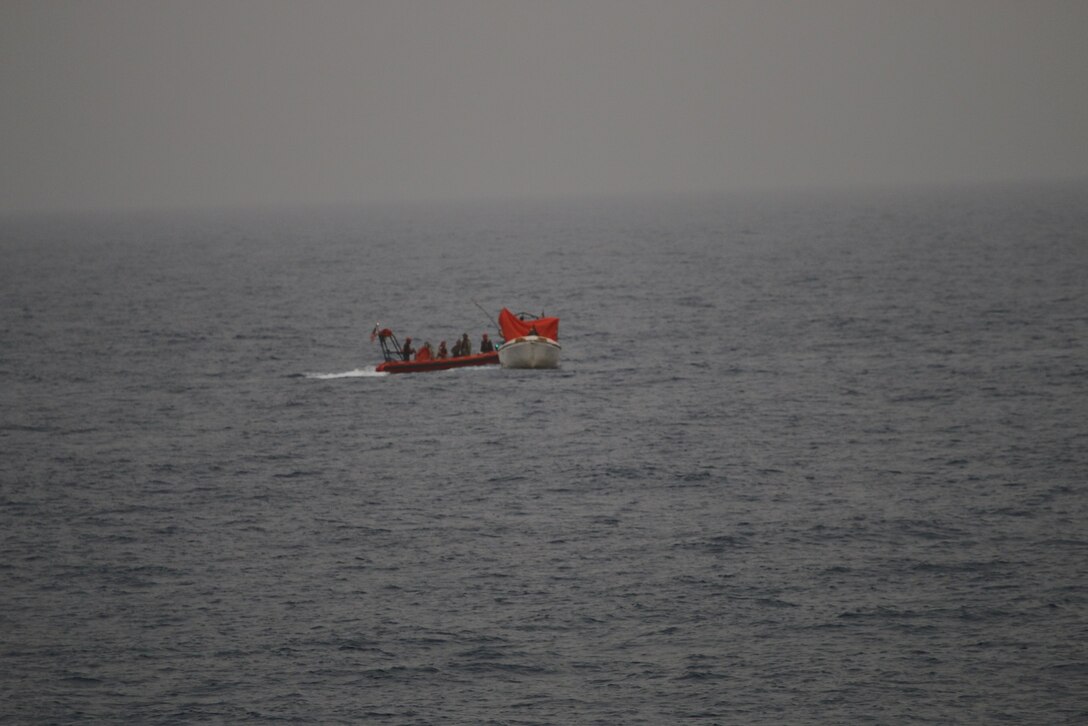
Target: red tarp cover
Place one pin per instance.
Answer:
(514, 328)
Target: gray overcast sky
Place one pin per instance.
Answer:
(146, 103)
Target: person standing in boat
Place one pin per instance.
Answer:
(466, 345)
(407, 350)
(486, 346)
(456, 349)
(442, 352)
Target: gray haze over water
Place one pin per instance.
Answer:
(136, 104)
(812, 456)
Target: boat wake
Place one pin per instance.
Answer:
(367, 372)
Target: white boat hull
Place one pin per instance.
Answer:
(532, 351)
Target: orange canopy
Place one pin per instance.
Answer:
(512, 327)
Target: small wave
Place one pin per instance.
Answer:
(367, 372)
(295, 474)
(697, 675)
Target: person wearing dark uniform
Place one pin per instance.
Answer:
(442, 352)
(486, 346)
(456, 352)
(466, 345)
(407, 350)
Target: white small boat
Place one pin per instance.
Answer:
(531, 340)
(529, 351)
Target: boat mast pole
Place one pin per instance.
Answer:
(493, 321)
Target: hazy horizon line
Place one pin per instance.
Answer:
(761, 191)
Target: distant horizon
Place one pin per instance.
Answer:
(859, 191)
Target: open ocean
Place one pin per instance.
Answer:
(809, 459)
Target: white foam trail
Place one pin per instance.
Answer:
(357, 373)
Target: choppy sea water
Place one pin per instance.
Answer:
(807, 460)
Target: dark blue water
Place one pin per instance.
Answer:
(807, 460)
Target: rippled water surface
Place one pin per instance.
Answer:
(807, 460)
